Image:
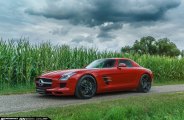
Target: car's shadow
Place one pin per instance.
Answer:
(101, 95)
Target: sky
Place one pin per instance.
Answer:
(101, 24)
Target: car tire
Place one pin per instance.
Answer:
(86, 87)
(144, 84)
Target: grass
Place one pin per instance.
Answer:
(151, 107)
(164, 82)
(17, 90)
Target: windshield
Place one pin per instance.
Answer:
(102, 63)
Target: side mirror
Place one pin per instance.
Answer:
(122, 65)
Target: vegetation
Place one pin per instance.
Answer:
(182, 53)
(17, 90)
(21, 62)
(154, 107)
(149, 45)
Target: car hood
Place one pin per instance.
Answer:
(59, 73)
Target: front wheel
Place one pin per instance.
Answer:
(86, 87)
(144, 84)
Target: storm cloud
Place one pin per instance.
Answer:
(108, 26)
(105, 36)
(86, 39)
(104, 24)
(105, 30)
(97, 12)
(59, 31)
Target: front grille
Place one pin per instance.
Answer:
(44, 79)
(45, 85)
(43, 82)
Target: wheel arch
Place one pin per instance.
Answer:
(150, 75)
(78, 91)
(139, 86)
(147, 73)
(92, 75)
(143, 73)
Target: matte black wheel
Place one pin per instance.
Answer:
(144, 84)
(86, 87)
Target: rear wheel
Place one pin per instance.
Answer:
(86, 87)
(144, 84)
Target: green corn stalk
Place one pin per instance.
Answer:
(21, 62)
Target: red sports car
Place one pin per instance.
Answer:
(102, 75)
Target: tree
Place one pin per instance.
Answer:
(149, 45)
(167, 48)
(126, 49)
(182, 53)
(146, 45)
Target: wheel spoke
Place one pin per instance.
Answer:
(87, 87)
(83, 85)
(146, 83)
(90, 92)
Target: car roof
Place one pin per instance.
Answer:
(118, 58)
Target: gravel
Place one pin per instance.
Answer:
(26, 102)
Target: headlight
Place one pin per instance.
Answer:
(66, 76)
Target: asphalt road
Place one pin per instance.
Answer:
(26, 102)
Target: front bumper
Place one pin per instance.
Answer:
(60, 91)
(55, 91)
(57, 88)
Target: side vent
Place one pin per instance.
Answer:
(106, 79)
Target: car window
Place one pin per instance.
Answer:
(102, 63)
(109, 63)
(127, 62)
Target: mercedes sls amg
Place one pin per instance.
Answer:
(102, 75)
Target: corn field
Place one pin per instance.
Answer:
(21, 62)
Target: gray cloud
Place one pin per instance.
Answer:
(105, 30)
(59, 31)
(110, 26)
(97, 12)
(105, 36)
(44, 20)
(79, 39)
